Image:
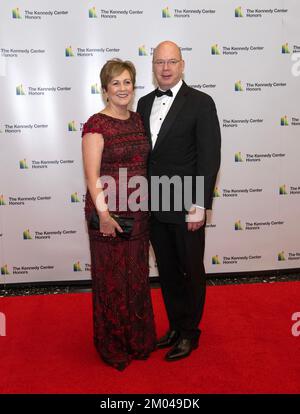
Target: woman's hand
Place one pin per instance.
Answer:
(109, 226)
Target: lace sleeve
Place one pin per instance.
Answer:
(92, 125)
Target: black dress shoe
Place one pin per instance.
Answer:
(167, 340)
(182, 349)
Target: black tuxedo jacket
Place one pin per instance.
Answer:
(188, 144)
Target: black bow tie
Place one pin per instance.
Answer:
(160, 93)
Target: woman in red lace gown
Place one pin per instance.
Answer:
(114, 139)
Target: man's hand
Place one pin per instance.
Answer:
(195, 218)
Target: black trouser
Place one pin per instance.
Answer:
(179, 255)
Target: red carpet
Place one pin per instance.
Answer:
(246, 346)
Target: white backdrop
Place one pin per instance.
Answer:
(239, 53)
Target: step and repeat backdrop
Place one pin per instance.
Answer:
(245, 54)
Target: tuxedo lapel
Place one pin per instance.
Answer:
(147, 114)
(171, 115)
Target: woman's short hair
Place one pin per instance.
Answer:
(115, 67)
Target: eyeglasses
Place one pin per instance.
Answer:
(170, 62)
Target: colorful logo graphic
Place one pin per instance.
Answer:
(166, 12)
(4, 270)
(16, 13)
(281, 257)
(27, 235)
(75, 198)
(92, 13)
(238, 157)
(23, 164)
(238, 225)
(215, 50)
(2, 201)
(284, 121)
(238, 12)
(77, 267)
(215, 260)
(216, 192)
(142, 51)
(71, 126)
(238, 86)
(20, 90)
(285, 48)
(95, 89)
(282, 190)
(69, 52)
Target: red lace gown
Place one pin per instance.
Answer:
(122, 309)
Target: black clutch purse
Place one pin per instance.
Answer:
(126, 224)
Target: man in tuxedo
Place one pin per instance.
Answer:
(184, 133)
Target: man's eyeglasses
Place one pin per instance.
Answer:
(169, 62)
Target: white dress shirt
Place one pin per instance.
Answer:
(160, 108)
(159, 111)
